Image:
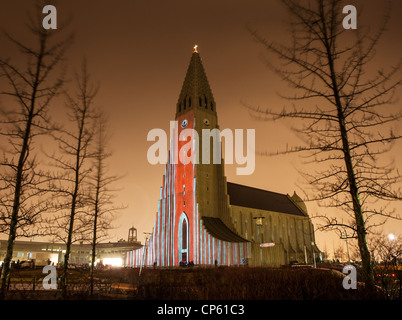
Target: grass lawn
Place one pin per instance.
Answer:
(221, 283)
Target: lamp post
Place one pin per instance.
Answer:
(391, 238)
(144, 256)
(312, 247)
(346, 237)
(259, 225)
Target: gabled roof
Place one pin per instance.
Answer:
(249, 197)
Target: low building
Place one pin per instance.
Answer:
(109, 253)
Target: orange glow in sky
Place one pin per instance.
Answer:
(140, 85)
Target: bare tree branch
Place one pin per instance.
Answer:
(347, 131)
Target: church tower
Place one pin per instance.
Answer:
(192, 196)
(195, 109)
(200, 183)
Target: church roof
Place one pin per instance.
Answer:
(219, 230)
(249, 197)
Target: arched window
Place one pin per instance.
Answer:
(206, 103)
(212, 106)
(199, 102)
(184, 235)
(183, 238)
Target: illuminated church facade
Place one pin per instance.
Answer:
(205, 220)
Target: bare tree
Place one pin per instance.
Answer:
(73, 163)
(339, 253)
(347, 124)
(386, 250)
(29, 90)
(101, 191)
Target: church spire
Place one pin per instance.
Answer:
(195, 92)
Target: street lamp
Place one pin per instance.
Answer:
(312, 247)
(259, 225)
(144, 256)
(346, 237)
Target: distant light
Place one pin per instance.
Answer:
(195, 48)
(114, 262)
(391, 236)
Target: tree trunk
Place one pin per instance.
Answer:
(68, 250)
(96, 204)
(94, 237)
(18, 185)
(93, 254)
(353, 189)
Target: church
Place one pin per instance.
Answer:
(203, 219)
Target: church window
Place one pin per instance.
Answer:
(284, 234)
(183, 237)
(299, 235)
(199, 101)
(279, 230)
(212, 106)
(292, 237)
(205, 100)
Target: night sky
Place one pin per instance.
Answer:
(139, 52)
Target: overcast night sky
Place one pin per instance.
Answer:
(139, 52)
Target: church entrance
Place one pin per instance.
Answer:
(183, 238)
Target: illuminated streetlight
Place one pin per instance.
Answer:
(259, 225)
(144, 256)
(391, 237)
